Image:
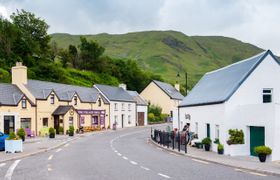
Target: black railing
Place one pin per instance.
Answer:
(178, 140)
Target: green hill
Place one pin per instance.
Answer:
(168, 52)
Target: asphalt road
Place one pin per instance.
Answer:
(119, 155)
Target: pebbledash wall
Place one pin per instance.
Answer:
(245, 108)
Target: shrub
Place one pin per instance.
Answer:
(156, 110)
(220, 147)
(60, 130)
(21, 133)
(51, 131)
(163, 117)
(71, 130)
(236, 136)
(206, 141)
(263, 150)
(217, 141)
(151, 117)
(12, 136)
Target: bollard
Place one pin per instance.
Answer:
(179, 142)
(186, 142)
(173, 138)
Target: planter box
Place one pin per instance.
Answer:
(237, 150)
(13, 146)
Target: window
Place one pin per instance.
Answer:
(129, 119)
(122, 106)
(267, 95)
(116, 119)
(23, 103)
(25, 123)
(196, 128)
(52, 98)
(129, 107)
(217, 134)
(99, 102)
(116, 106)
(75, 100)
(45, 122)
(71, 121)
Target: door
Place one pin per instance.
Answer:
(56, 124)
(122, 119)
(9, 124)
(257, 138)
(140, 118)
(208, 130)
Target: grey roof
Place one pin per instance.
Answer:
(219, 85)
(62, 110)
(139, 100)
(10, 94)
(169, 90)
(65, 92)
(114, 93)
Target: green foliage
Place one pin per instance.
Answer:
(151, 117)
(163, 117)
(206, 140)
(60, 129)
(51, 130)
(21, 133)
(71, 130)
(263, 150)
(220, 147)
(217, 141)
(236, 136)
(156, 110)
(12, 136)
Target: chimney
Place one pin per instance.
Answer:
(19, 74)
(122, 86)
(177, 86)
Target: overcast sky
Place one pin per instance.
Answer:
(252, 21)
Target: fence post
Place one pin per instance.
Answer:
(179, 141)
(186, 142)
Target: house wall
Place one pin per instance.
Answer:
(153, 94)
(66, 117)
(19, 113)
(119, 112)
(145, 110)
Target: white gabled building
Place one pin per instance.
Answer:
(244, 95)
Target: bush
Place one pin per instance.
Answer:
(163, 117)
(12, 136)
(217, 141)
(151, 117)
(220, 147)
(51, 131)
(206, 141)
(263, 150)
(236, 136)
(61, 130)
(71, 130)
(21, 133)
(156, 110)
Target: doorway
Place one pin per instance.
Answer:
(140, 118)
(122, 120)
(9, 124)
(56, 123)
(208, 130)
(257, 138)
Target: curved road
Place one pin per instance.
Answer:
(118, 155)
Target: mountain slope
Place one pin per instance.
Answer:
(168, 52)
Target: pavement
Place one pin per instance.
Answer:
(118, 155)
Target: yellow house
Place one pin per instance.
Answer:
(164, 95)
(57, 105)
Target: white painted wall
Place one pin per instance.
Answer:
(145, 110)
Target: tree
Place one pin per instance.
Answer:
(73, 53)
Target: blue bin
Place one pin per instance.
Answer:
(2, 141)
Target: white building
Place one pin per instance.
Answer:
(244, 95)
(122, 105)
(141, 110)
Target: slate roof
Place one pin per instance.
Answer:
(10, 94)
(62, 110)
(65, 92)
(169, 90)
(219, 85)
(139, 100)
(115, 93)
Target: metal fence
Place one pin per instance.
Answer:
(175, 140)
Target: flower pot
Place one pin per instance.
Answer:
(52, 135)
(220, 151)
(207, 147)
(23, 138)
(71, 133)
(262, 157)
(13, 146)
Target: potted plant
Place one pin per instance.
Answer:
(71, 131)
(13, 144)
(207, 143)
(21, 134)
(217, 141)
(262, 152)
(220, 149)
(52, 132)
(60, 130)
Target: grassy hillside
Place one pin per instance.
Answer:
(168, 52)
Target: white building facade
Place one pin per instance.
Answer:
(243, 96)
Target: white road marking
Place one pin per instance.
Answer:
(58, 150)
(116, 151)
(66, 145)
(133, 162)
(50, 157)
(200, 161)
(258, 174)
(125, 158)
(2, 164)
(173, 154)
(147, 169)
(11, 169)
(119, 154)
(240, 170)
(163, 175)
(49, 169)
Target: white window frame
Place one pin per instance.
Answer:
(129, 107)
(217, 131)
(116, 119)
(23, 103)
(267, 93)
(123, 106)
(129, 119)
(52, 98)
(196, 127)
(116, 106)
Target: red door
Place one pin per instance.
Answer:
(140, 118)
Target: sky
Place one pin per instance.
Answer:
(252, 21)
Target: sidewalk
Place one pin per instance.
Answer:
(36, 145)
(240, 162)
